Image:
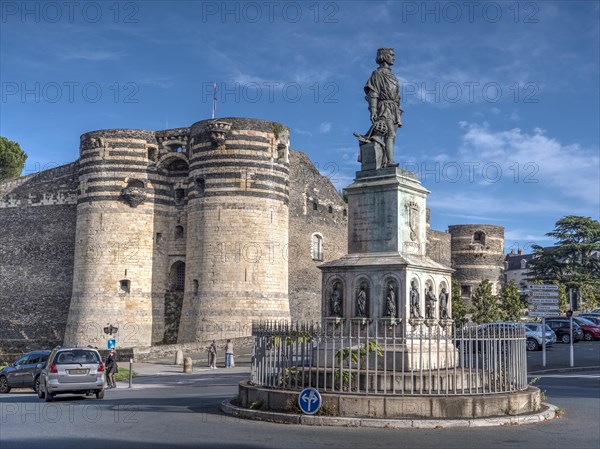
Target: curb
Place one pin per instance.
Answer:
(548, 413)
(564, 370)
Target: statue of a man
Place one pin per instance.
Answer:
(361, 302)
(443, 305)
(415, 311)
(383, 95)
(336, 302)
(390, 302)
(430, 301)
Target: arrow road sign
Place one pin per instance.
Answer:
(543, 293)
(540, 307)
(542, 287)
(544, 314)
(309, 401)
(543, 300)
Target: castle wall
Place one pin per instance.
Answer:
(315, 208)
(477, 254)
(37, 219)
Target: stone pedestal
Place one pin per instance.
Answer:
(387, 249)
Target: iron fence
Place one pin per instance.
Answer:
(390, 357)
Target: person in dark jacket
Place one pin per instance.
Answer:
(111, 369)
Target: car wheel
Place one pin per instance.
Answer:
(532, 344)
(100, 394)
(4, 388)
(565, 338)
(36, 384)
(588, 336)
(48, 396)
(40, 392)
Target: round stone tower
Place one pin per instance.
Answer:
(477, 252)
(237, 221)
(112, 279)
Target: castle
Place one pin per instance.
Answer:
(183, 235)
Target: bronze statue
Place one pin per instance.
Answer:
(430, 301)
(361, 303)
(383, 95)
(336, 302)
(443, 305)
(390, 302)
(415, 311)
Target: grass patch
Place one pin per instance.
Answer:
(123, 374)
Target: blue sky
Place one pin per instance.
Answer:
(501, 99)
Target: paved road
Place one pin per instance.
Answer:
(586, 353)
(172, 410)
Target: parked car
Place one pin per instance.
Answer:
(74, 371)
(533, 332)
(487, 336)
(560, 326)
(593, 317)
(591, 331)
(24, 372)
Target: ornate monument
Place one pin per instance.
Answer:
(387, 226)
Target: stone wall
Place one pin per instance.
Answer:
(37, 239)
(316, 208)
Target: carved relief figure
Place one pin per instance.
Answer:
(361, 303)
(430, 301)
(415, 311)
(336, 302)
(413, 221)
(443, 305)
(390, 302)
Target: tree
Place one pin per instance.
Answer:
(510, 302)
(590, 297)
(12, 159)
(575, 259)
(485, 304)
(459, 309)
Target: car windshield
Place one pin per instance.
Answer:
(77, 356)
(548, 329)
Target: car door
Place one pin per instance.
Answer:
(15, 376)
(29, 369)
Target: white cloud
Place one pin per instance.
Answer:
(569, 170)
(325, 127)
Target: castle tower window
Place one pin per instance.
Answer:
(479, 237)
(200, 185)
(178, 232)
(196, 286)
(317, 247)
(177, 276)
(345, 213)
(152, 153)
(125, 286)
(179, 195)
(315, 205)
(330, 209)
(465, 291)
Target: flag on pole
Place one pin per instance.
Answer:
(214, 100)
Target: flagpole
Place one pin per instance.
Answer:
(214, 100)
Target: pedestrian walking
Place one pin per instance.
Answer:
(111, 369)
(212, 355)
(229, 363)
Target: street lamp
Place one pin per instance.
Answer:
(110, 329)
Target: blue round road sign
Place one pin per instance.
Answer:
(309, 401)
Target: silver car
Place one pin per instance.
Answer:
(533, 332)
(72, 370)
